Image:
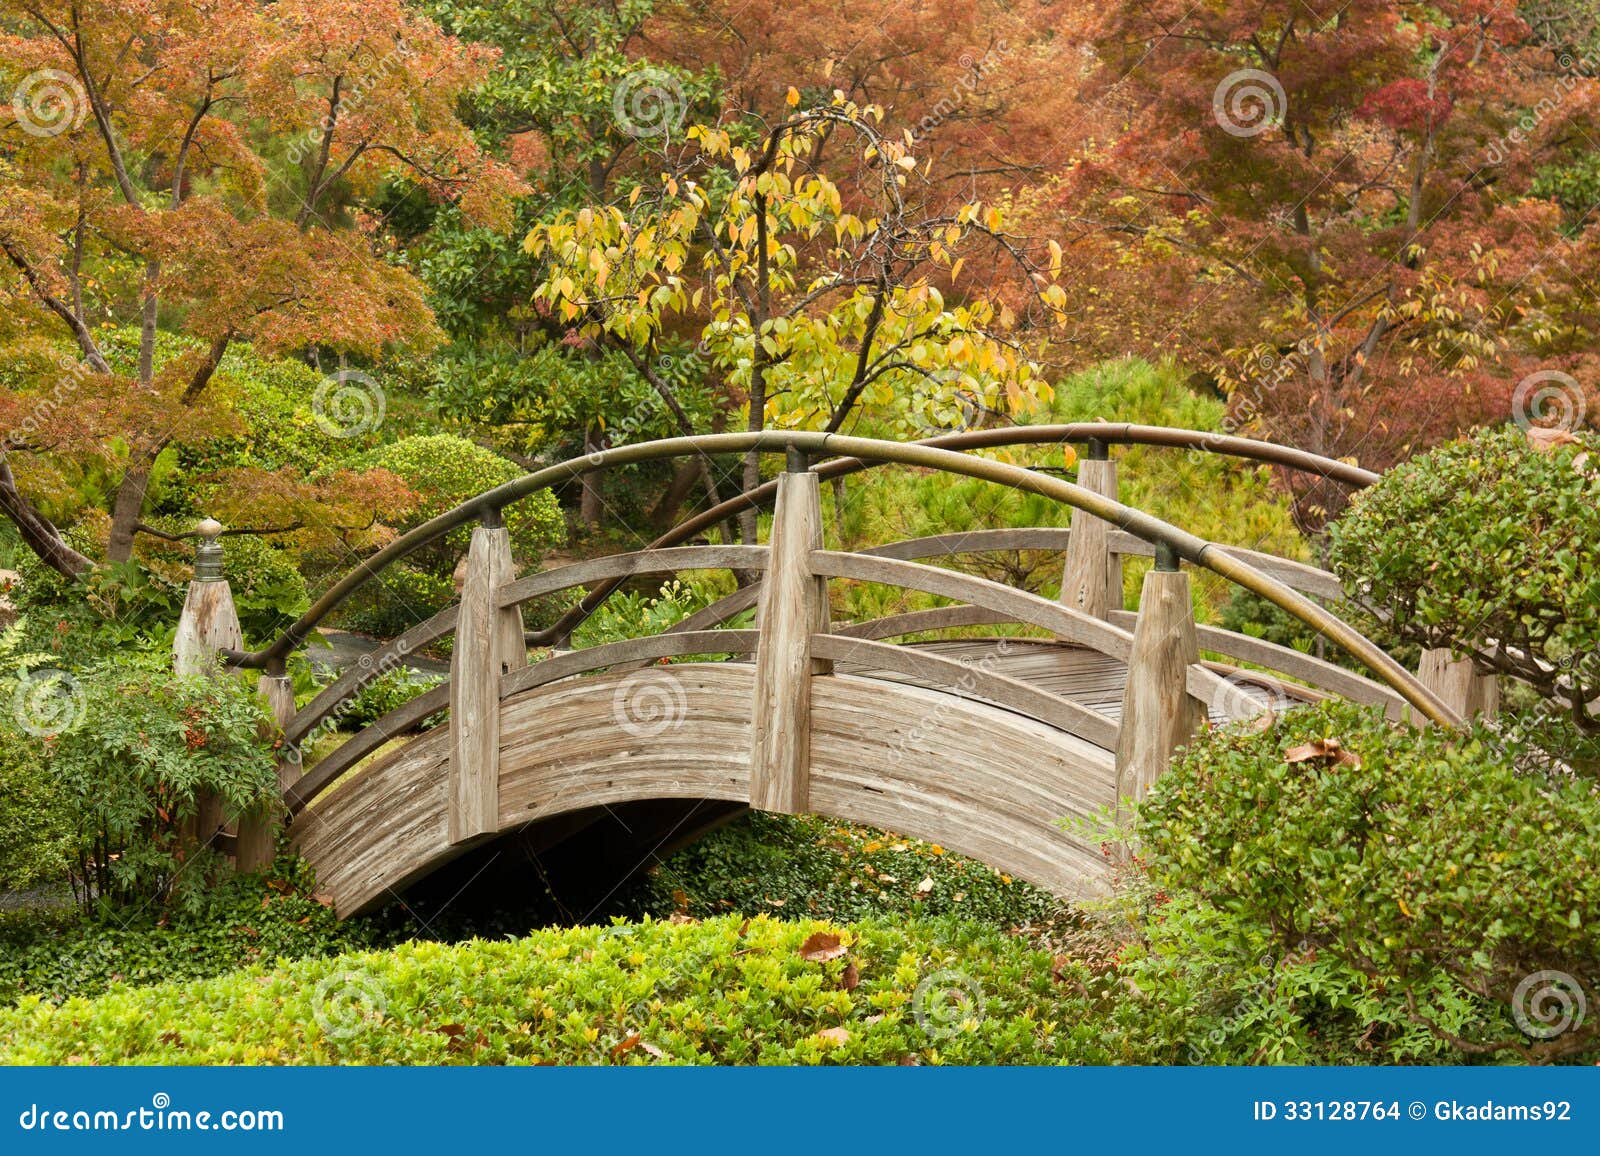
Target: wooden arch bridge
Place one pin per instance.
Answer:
(984, 745)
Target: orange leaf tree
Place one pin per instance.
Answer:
(191, 169)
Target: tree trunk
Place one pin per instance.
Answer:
(36, 530)
(126, 509)
(684, 480)
(591, 501)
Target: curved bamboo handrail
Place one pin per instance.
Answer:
(489, 504)
(1190, 547)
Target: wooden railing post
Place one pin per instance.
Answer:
(1092, 579)
(1454, 680)
(488, 644)
(258, 833)
(208, 623)
(1158, 715)
(794, 606)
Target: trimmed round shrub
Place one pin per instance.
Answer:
(1491, 547)
(1420, 861)
(446, 470)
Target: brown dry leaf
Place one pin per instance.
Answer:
(680, 901)
(910, 1061)
(1547, 441)
(851, 979)
(926, 885)
(834, 1035)
(626, 1046)
(1322, 751)
(323, 898)
(744, 929)
(822, 947)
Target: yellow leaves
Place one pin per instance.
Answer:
(792, 97)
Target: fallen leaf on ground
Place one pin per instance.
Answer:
(821, 947)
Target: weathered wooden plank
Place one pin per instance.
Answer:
(1457, 682)
(389, 656)
(794, 608)
(1091, 579)
(633, 565)
(630, 651)
(488, 646)
(919, 621)
(207, 623)
(1062, 621)
(258, 833)
(975, 542)
(1296, 575)
(1158, 712)
(400, 721)
(973, 679)
(1296, 664)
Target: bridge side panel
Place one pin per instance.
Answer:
(971, 777)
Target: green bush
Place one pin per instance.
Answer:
(729, 990)
(248, 919)
(34, 825)
(1491, 548)
(140, 754)
(396, 600)
(446, 470)
(1434, 872)
(797, 866)
(389, 691)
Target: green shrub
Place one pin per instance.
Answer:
(34, 825)
(248, 919)
(1420, 861)
(387, 692)
(1491, 548)
(396, 600)
(446, 470)
(140, 754)
(729, 991)
(797, 866)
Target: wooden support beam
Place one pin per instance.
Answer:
(1158, 714)
(794, 606)
(1465, 690)
(488, 644)
(1092, 579)
(258, 833)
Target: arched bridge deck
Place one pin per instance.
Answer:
(1006, 748)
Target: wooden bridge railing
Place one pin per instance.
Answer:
(1166, 690)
